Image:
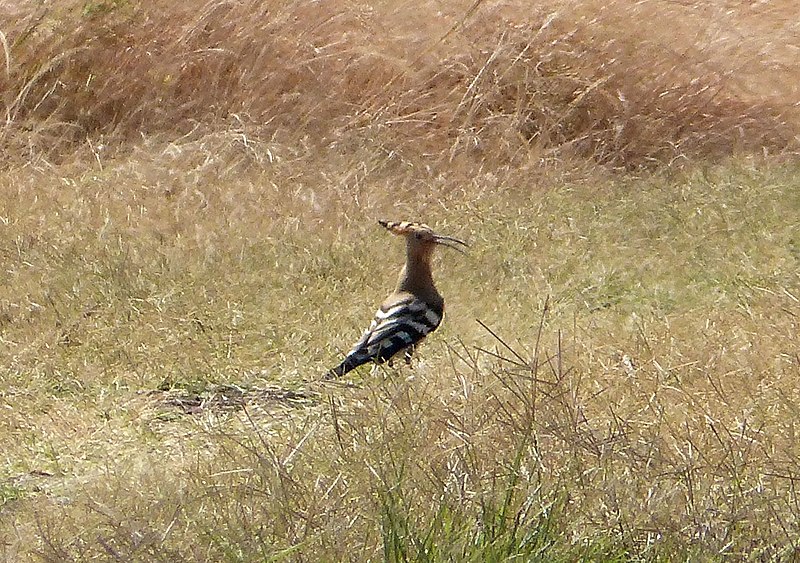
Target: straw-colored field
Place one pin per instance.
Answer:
(188, 240)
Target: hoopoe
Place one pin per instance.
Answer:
(415, 308)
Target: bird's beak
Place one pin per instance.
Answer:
(451, 242)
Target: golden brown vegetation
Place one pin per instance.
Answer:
(187, 241)
(621, 82)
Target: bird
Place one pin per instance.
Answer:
(412, 311)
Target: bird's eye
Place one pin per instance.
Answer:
(419, 236)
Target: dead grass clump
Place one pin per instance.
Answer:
(609, 82)
(494, 82)
(661, 424)
(524, 452)
(505, 453)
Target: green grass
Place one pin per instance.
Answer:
(647, 417)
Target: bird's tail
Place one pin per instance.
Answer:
(341, 369)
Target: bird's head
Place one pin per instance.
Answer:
(420, 238)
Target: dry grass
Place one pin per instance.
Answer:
(187, 211)
(485, 81)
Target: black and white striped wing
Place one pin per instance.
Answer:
(396, 326)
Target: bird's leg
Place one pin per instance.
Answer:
(407, 354)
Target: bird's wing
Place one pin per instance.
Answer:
(400, 322)
(397, 325)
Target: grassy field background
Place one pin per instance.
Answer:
(188, 240)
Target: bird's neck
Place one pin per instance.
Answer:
(416, 276)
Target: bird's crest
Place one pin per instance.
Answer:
(406, 227)
(423, 232)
